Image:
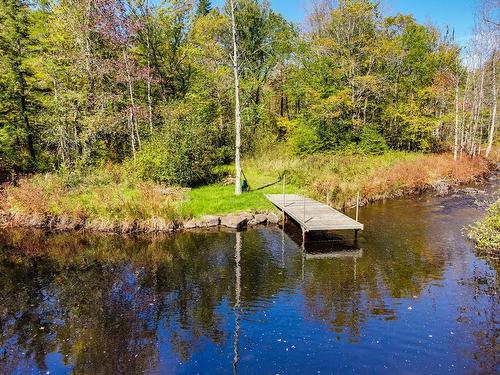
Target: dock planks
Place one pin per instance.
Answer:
(312, 215)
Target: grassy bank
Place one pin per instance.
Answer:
(114, 194)
(336, 178)
(486, 233)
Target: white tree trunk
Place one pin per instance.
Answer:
(237, 115)
(478, 114)
(132, 137)
(491, 132)
(464, 116)
(148, 53)
(455, 148)
(132, 102)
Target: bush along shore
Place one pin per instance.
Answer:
(486, 233)
(113, 199)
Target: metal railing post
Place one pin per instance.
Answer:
(304, 208)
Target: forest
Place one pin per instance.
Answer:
(145, 92)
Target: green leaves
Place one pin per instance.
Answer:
(71, 75)
(185, 152)
(486, 232)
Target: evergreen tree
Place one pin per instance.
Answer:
(16, 78)
(204, 7)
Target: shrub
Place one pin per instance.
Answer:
(304, 138)
(486, 233)
(184, 153)
(372, 143)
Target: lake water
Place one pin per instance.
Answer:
(410, 298)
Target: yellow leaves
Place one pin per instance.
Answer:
(209, 29)
(325, 46)
(399, 20)
(205, 41)
(367, 84)
(285, 125)
(336, 105)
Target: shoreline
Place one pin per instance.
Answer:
(235, 221)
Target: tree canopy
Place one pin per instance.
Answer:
(87, 82)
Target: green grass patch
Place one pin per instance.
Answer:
(301, 174)
(218, 199)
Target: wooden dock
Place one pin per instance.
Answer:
(312, 215)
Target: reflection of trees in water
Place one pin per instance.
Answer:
(345, 293)
(94, 317)
(483, 314)
(333, 295)
(23, 313)
(106, 303)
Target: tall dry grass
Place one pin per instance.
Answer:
(420, 174)
(104, 199)
(338, 178)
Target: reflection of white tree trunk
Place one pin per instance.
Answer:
(303, 264)
(237, 272)
(355, 268)
(283, 247)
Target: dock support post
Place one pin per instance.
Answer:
(357, 207)
(356, 235)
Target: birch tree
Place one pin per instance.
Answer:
(489, 9)
(237, 114)
(491, 131)
(455, 147)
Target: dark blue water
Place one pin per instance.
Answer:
(410, 298)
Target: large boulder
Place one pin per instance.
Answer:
(234, 221)
(258, 219)
(209, 221)
(246, 215)
(272, 218)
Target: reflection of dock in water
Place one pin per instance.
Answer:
(353, 254)
(325, 241)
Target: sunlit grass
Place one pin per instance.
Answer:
(218, 199)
